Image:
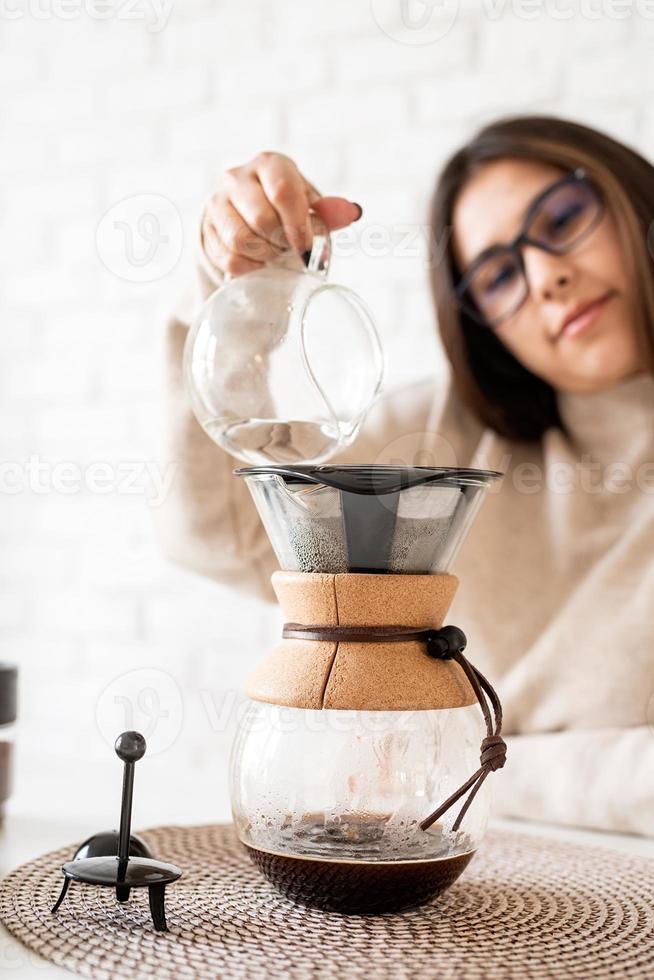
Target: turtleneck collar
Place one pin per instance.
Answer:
(615, 424)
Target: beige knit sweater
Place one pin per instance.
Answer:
(557, 576)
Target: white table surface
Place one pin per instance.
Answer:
(25, 837)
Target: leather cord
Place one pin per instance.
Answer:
(447, 643)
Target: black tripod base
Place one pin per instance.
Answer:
(123, 875)
(157, 899)
(62, 895)
(107, 844)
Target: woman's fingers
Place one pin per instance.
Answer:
(286, 190)
(337, 212)
(235, 234)
(247, 196)
(261, 209)
(220, 255)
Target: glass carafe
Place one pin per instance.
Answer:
(280, 365)
(329, 803)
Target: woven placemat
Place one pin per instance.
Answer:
(526, 907)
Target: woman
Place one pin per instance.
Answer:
(545, 305)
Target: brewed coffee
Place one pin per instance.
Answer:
(358, 887)
(354, 866)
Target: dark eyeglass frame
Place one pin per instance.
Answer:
(577, 176)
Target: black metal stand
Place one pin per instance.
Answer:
(123, 861)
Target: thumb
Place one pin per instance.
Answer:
(337, 212)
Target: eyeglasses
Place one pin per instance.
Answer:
(495, 285)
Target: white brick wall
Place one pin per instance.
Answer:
(96, 111)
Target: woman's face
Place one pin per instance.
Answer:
(592, 352)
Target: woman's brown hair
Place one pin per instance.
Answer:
(495, 386)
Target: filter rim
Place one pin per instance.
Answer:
(373, 479)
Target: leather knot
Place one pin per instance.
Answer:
(445, 643)
(493, 752)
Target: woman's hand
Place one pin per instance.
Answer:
(262, 208)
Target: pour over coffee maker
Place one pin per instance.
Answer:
(356, 778)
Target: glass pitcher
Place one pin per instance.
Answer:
(281, 366)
